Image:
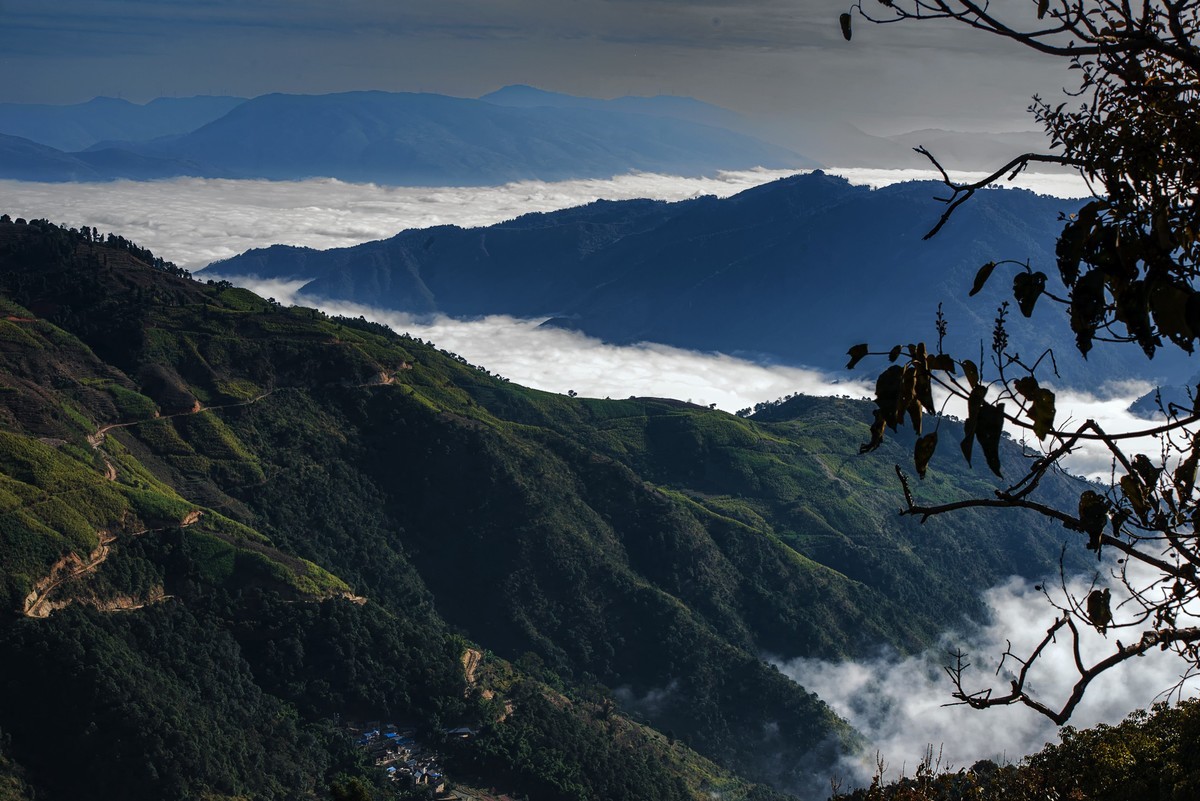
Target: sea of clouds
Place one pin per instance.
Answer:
(195, 221)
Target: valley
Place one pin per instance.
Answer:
(343, 511)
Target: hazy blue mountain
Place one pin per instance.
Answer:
(796, 270)
(24, 160)
(433, 139)
(82, 125)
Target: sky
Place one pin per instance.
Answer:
(771, 57)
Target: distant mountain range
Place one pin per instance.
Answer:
(83, 125)
(795, 270)
(393, 138)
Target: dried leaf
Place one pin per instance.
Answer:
(1135, 493)
(1099, 609)
(978, 393)
(943, 362)
(1041, 409)
(1087, 309)
(844, 20)
(1093, 517)
(923, 452)
(889, 395)
(857, 354)
(981, 278)
(1146, 470)
(971, 372)
(924, 390)
(1169, 307)
(1027, 288)
(876, 434)
(987, 431)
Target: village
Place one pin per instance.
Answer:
(413, 765)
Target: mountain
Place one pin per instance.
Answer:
(227, 523)
(795, 270)
(82, 125)
(390, 138)
(401, 138)
(25, 160)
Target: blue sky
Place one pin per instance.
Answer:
(759, 56)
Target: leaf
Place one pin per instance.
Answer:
(857, 354)
(978, 393)
(943, 362)
(1087, 309)
(914, 416)
(972, 373)
(924, 390)
(981, 278)
(894, 353)
(1146, 471)
(1135, 493)
(1041, 405)
(987, 431)
(844, 20)
(1027, 288)
(1043, 7)
(876, 434)
(1099, 609)
(1184, 478)
(888, 390)
(1093, 517)
(923, 452)
(1073, 239)
(1169, 306)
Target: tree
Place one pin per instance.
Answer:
(1128, 270)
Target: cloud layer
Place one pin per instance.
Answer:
(900, 703)
(194, 221)
(558, 361)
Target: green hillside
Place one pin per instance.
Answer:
(227, 523)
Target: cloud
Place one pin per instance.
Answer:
(558, 361)
(900, 703)
(194, 221)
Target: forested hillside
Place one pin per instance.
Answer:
(228, 523)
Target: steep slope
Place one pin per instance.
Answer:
(263, 470)
(799, 270)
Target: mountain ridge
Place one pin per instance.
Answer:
(411, 139)
(777, 272)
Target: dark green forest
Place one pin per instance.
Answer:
(229, 525)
